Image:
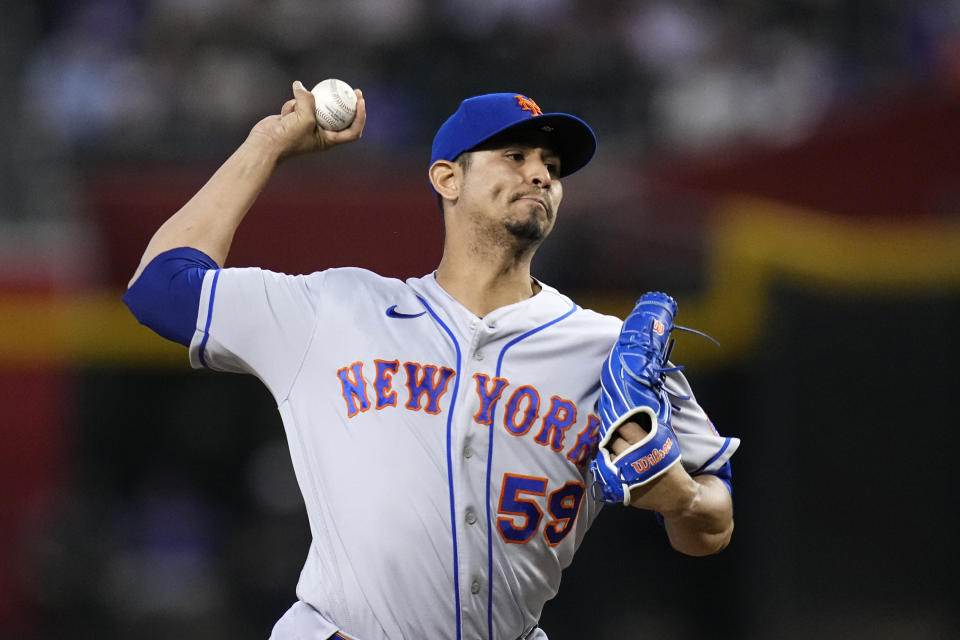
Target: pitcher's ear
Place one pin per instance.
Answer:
(445, 178)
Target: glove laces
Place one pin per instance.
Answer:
(654, 375)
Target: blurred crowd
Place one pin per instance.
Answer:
(89, 83)
(179, 78)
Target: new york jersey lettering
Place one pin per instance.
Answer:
(523, 395)
(426, 384)
(429, 384)
(488, 397)
(587, 441)
(562, 414)
(386, 397)
(354, 388)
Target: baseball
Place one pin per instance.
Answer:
(336, 104)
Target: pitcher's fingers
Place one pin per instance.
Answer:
(303, 96)
(355, 130)
(288, 107)
(631, 432)
(360, 120)
(618, 445)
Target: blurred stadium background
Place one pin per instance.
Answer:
(789, 170)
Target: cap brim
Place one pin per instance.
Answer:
(575, 141)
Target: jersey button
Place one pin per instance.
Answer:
(471, 516)
(478, 355)
(467, 452)
(475, 587)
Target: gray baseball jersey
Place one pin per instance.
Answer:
(443, 458)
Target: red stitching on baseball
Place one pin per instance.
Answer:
(328, 119)
(336, 96)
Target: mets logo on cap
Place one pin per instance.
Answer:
(526, 104)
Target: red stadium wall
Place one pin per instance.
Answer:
(302, 222)
(900, 161)
(37, 428)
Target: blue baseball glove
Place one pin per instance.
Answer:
(631, 389)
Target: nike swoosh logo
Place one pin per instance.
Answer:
(393, 313)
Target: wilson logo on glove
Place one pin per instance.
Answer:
(658, 327)
(653, 458)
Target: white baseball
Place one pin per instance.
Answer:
(336, 104)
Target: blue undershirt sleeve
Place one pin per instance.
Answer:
(166, 296)
(725, 473)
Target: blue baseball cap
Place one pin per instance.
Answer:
(482, 117)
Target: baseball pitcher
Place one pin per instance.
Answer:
(453, 435)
